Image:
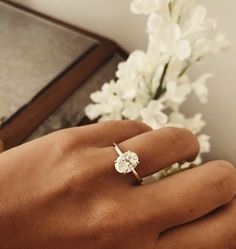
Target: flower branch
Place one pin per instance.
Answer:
(152, 85)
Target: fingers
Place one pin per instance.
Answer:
(106, 133)
(191, 194)
(159, 149)
(217, 231)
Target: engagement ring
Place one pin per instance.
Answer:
(127, 162)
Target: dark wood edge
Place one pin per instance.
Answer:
(122, 52)
(86, 121)
(54, 81)
(47, 102)
(1, 146)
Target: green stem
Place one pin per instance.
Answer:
(185, 69)
(160, 90)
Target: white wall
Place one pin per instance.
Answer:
(113, 19)
(110, 18)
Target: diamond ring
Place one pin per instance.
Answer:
(127, 162)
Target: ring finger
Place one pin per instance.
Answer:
(156, 150)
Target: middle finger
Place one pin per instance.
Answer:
(189, 195)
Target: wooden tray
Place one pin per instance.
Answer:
(45, 62)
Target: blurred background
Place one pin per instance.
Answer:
(113, 19)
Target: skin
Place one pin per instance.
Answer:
(62, 192)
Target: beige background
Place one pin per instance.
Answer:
(112, 18)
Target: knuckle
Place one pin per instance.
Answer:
(224, 180)
(182, 138)
(65, 143)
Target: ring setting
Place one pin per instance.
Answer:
(127, 162)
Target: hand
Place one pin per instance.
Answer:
(62, 192)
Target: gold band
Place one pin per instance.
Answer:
(139, 179)
(118, 151)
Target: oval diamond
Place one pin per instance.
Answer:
(126, 162)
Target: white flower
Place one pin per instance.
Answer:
(195, 20)
(183, 49)
(111, 116)
(111, 105)
(176, 93)
(93, 111)
(129, 90)
(205, 146)
(153, 115)
(107, 102)
(177, 119)
(155, 81)
(198, 160)
(137, 63)
(169, 37)
(200, 88)
(206, 46)
(174, 72)
(137, 90)
(194, 124)
(135, 75)
(179, 7)
(179, 35)
(108, 89)
(201, 48)
(147, 7)
(143, 97)
(132, 110)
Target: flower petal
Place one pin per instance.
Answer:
(204, 142)
(93, 111)
(146, 7)
(132, 110)
(183, 50)
(200, 88)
